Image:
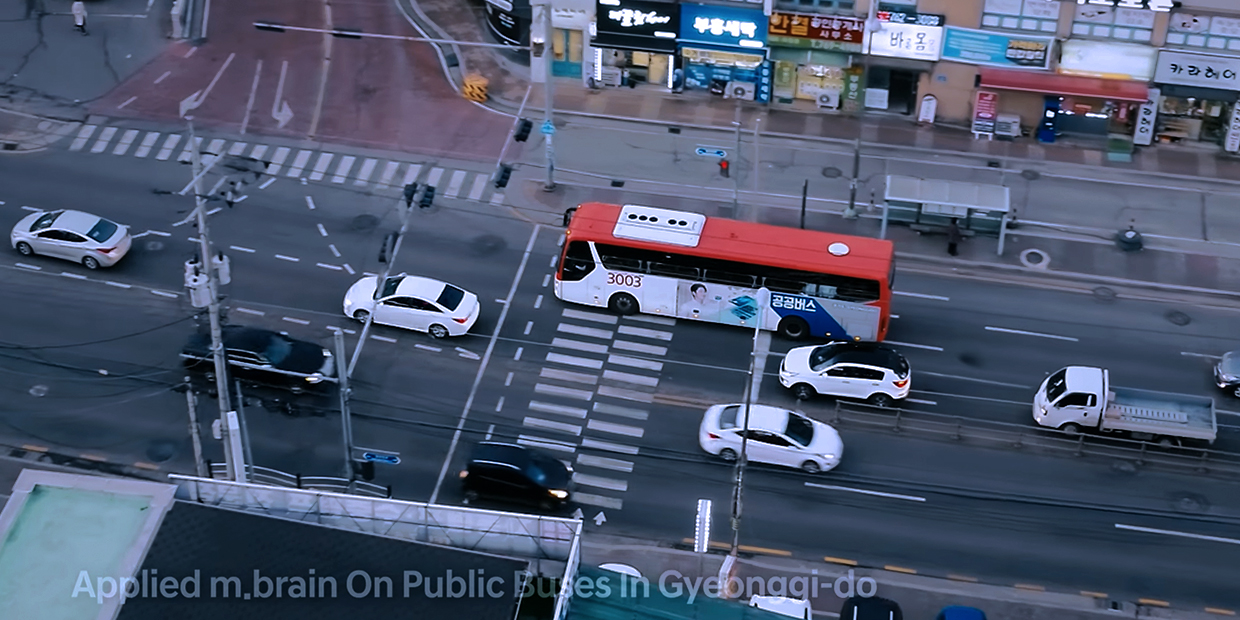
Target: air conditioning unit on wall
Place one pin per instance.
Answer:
(829, 100)
(741, 90)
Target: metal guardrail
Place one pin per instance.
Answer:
(277, 478)
(1034, 438)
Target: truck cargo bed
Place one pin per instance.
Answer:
(1160, 413)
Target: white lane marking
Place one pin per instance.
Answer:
(241, 249)
(556, 390)
(499, 406)
(320, 166)
(159, 233)
(602, 462)
(455, 183)
(497, 199)
(75, 276)
(546, 280)
(480, 186)
(611, 484)
(310, 202)
(538, 302)
(570, 360)
(299, 163)
(164, 75)
(291, 259)
(554, 259)
(591, 499)
(491, 428)
(117, 284)
(1151, 530)
(588, 347)
(500, 301)
(572, 412)
(127, 102)
(382, 338)
(986, 381)
(657, 320)
(190, 52)
(570, 313)
(297, 321)
(427, 347)
(127, 139)
(548, 425)
(642, 332)
(166, 150)
(322, 231)
(165, 294)
(615, 429)
(332, 267)
(432, 179)
(832, 487)
(1025, 333)
(469, 355)
(389, 171)
(508, 379)
(528, 326)
(550, 444)
(633, 362)
(25, 208)
(569, 376)
(215, 210)
(367, 169)
(148, 142)
(624, 412)
(921, 295)
(411, 174)
(920, 401)
(914, 346)
(1201, 355)
(595, 444)
(249, 311)
(83, 137)
(335, 252)
(267, 183)
(589, 332)
(342, 171)
(625, 377)
(638, 347)
(517, 356)
(349, 269)
(633, 395)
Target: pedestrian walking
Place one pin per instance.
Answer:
(79, 16)
(953, 237)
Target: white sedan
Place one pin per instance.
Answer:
(72, 235)
(414, 302)
(776, 436)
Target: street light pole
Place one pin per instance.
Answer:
(346, 417)
(763, 301)
(403, 212)
(851, 211)
(548, 96)
(736, 180)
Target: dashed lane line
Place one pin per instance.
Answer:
(914, 346)
(335, 252)
(332, 267)
(427, 347)
(249, 311)
(165, 294)
(322, 231)
(832, 487)
(469, 355)
(75, 276)
(241, 249)
(921, 295)
(349, 269)
(1025, 333)
(26, 208)
(297, 321)
(382, 338)
(117, 284)
(310, 202)
(27, 266)
(291, 259)
(607, 446)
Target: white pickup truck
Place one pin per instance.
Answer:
(1080, 398)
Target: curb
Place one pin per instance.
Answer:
(89, 462)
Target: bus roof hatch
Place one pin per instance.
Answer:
(659, 225)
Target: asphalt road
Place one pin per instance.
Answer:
(621, 399)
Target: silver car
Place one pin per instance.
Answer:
(72, 235)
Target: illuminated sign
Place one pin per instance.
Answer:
(723, 25)
(1162, 6)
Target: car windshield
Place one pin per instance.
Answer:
(278, 349)
(1057, 385)
(821, 357)
(1231, 364)
(451, 297)
(102, 230)
(800, 430)
(44, 221)
(727, 417)
(389, 287)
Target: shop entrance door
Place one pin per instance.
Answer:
(902, 95)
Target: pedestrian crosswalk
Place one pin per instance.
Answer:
(291, 163)
(591, 398)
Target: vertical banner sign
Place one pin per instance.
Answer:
(984, 111)
(1143, 135)
(1232, 143)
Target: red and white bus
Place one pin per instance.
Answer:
(635, 258)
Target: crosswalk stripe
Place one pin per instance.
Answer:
(480, 185)
(591, 499)
(237, 148)
(548, 425)
(634, 362)
(368, 168)
(104, 138)
(259, 151)
(299, 163)
(564, 375)
(83, 136)
(607, 446)
(611, 484)
(166, 150)
(572, 360)
(570, 313)
(148, 141)
(411, 174)
(126, 141)
(320, 166)
(637, 347)
(633, 395)
(277, 160)
(550, 444)
(216, 146)
(556, 390)
(617, 410)
(342, 171)
(432, 179)
(615, 429)
(190, 145)
(588, 347)
(497, 199)
(658, 320)
(455, 184)
(625, 377)
(389, 171)
(602, 462)
(589, 332)
(642, 332)
(575, 412)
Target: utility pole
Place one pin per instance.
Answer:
(763, 301)
(804, 201)
(403, 212)
(851, 212)
(548, 52)
(195, 433)
(736, 181)
(757, 155)
(346, 416)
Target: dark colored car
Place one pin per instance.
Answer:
(515, 473)
(870, 608)
(1227, 372)
(266, 356)
(960, 612)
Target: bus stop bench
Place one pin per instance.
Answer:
(935, 229)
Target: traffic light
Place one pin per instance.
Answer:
(410, 190)
(502, 175)
(723, 168)
(389, 245)
(522, 133)
(428, 196)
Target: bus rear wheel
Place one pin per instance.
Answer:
(623, 303)
(793, 328)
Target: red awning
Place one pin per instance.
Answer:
(1069, 85)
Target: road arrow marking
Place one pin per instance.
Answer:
(577, 514)
(600, 518)
(197, 98)
(189, 103)
(279, 108)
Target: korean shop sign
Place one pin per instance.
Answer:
(1204, 70)
(912, 19)
(637, 18)
(978, 47)
(821, 32)
(1161, 6)
(1143, 132)
(723, 25)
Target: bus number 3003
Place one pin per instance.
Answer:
(624, 279)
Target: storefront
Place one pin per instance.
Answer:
(634, 43)
(1123, 71)
(810, 54)
(1196, 96)
(570, 20)
(903, 46)
(509, 20)
(723, 50)
(1057, 103)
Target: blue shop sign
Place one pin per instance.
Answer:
(723, 25)
(979, 47)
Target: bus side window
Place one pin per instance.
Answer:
(820, 290)
(784, 286)
(715, 276)
(578, 261)
(617, 258)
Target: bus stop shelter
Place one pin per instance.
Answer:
(928, 205)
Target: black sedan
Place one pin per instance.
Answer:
(515, 473)
(265, 356)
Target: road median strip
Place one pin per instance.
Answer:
(831, 560)
(962, 578)
(1093, 594)
(1029, 586)
(1153, 602)
(899, 569)
(1219, 611)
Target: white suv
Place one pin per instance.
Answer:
(864, 370)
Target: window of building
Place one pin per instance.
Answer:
(1034, 15)
(1104, 22)
(838, 5)
(1204, 32)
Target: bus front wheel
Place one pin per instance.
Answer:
(623, 303)
(793, 328)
